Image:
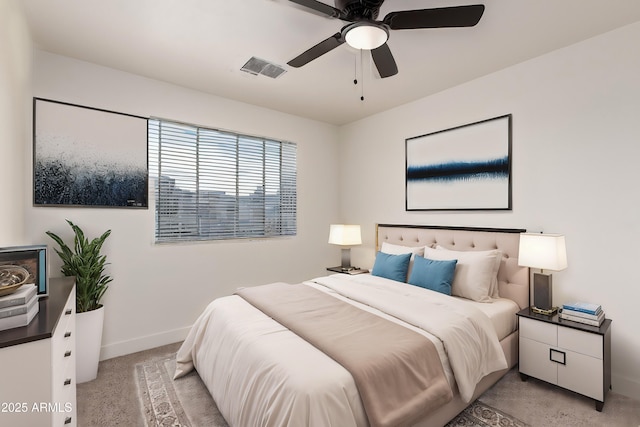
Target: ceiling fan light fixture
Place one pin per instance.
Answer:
(366, 36)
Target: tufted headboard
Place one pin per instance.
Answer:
(513, 280)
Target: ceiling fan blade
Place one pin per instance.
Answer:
(455, 16)
(384, 61)
(316, 51)
(319, 7)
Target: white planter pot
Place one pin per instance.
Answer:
(88, 343)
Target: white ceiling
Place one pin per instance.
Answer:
(202, 44)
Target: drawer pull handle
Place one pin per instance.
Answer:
(67, 334)
(67, 353)
(68, 311)
(67, 420)
(67, 381)
(558, 356)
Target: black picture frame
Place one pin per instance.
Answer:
(34, 259)
(463, 168)
(88, 157)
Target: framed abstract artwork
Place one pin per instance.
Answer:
(88, 157)
(463, 168)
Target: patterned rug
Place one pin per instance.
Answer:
(186, 402)
(480, 415)
(157, 395)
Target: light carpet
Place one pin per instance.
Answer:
(186, 402)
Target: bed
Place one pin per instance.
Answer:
(261, 373)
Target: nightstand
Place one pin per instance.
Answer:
(350, 270)
(565, 353)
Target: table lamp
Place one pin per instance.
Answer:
(546, 252)
(346, 236)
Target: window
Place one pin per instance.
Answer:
(214, 185)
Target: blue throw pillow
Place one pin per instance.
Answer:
(392, 267)
(432, 274)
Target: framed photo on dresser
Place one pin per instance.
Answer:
(32, 258)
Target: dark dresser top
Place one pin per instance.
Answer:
(42, 326)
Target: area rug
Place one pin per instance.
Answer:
(479, 414)
(186, 402)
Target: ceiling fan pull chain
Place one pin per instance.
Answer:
(362, 77)
(355, 70)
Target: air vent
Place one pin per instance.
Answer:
(257, 66)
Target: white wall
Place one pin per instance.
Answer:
(576, 145)
(15, 86)
(159, 290)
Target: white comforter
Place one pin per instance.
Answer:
(261, 374)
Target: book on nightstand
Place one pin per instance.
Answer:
(581, 317)
(583, 307)
(31, 308)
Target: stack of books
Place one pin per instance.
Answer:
(19, 308)
(583, 312)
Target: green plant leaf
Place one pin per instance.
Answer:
(87, 264)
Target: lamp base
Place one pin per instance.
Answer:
(346, 259)
(542, 292)
(548, 312)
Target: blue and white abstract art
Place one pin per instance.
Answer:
(88, 157)
(463, 168)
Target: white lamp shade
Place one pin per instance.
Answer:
(366, 37)
(346, 235)
(543, 251)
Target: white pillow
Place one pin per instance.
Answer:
(493, 291)
(391, 249)
(475, 271)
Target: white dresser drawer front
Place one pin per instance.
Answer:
(65, 400)
(534, 361)
(580, 341)
(582, 374)
(539, 331)
(63, 419)
(63, 357)
(63, 376)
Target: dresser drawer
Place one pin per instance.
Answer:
(66, 404)
(580, 342)
(538, 331)
(63, 376)
(64, 419)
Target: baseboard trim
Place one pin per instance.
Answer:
(143, 343)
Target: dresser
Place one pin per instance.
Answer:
(37, 363)
(571, 355)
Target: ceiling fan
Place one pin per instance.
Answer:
(364, 32)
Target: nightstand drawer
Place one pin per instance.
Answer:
(582, 374)
(538, 331)
(580, 342)
(535, 360)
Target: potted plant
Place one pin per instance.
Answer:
(85, 261)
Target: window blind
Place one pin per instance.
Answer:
(214, 185)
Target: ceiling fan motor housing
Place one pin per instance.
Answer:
(359, 9)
